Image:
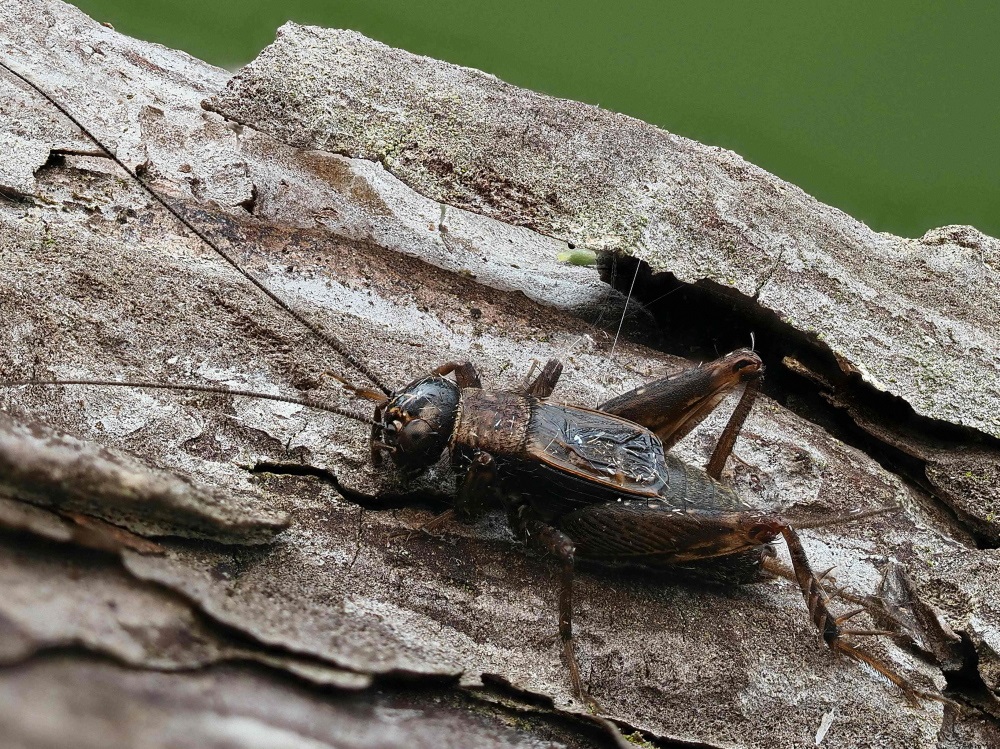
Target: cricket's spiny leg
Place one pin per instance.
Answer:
(466, 374)
(474, 492)
(671, 407)
(828, 625)
(553, 541)
(559, 544)
(773, 566)
(727, 440)
(543, 385)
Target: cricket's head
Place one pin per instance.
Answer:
(416, 423)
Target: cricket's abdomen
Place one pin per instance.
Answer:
(652, 535)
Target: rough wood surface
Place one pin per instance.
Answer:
(915, 318)
(96, 281)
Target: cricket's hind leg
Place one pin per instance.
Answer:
(827, 624)
(890, 622)
(672, 406)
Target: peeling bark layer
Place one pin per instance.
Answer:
(914, 318)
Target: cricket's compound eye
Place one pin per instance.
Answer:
(416, 436)
(417, 422)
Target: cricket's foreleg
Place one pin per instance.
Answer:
(477, 485)
(472, 496)
(466, 374)
(671, 407)
(543, 385)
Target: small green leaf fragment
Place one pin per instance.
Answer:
(578, 257)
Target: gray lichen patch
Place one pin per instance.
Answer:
(344, 93)
(916, 318)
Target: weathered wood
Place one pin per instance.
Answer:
(97, 281)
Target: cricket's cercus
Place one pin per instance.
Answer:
(578, 483)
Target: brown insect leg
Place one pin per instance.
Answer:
(543, 385)
(553, 541)
(466, 374)
(473, 495)
(471, 499)
(671, 407)
(827, 624)
(432, 525)
(727, 440)
(559, 544)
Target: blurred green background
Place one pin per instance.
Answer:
(890, 111)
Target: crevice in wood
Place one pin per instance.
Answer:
(703, 320)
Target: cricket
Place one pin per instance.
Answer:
(576, 484)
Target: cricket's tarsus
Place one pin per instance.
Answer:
(576, 483)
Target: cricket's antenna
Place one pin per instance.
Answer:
(328, 338)
(848, 518)
(306, 402)
(621, 323)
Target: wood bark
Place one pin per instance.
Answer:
(249, 548)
